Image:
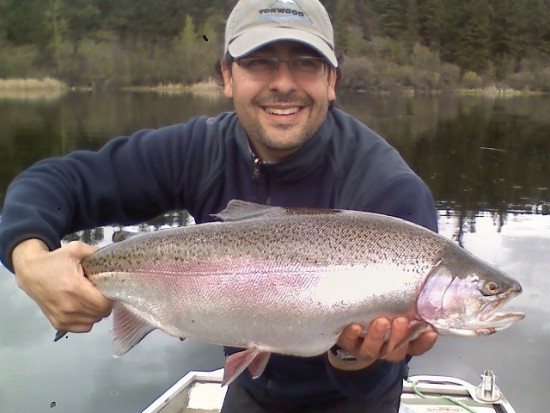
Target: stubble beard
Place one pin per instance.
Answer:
(280, 140)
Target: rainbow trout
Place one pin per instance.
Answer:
(272, 279)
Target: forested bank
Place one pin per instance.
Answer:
(387, 44)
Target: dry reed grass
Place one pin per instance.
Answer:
(209, 88)
(31, 89)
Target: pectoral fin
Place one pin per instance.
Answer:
(128, 329)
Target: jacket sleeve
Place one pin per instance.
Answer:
(404, 196)
(128, 180)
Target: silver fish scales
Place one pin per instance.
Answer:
(271, 279)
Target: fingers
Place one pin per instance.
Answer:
(383, 340)
(93, 301)
(349, 338)
(423, 343)
(77, 310)
(366, 350)
(374, 341)
(79, 250)
(397, 346)
(55, 281)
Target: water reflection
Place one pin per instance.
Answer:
(33, 130)
(96, 236)
(476, 154)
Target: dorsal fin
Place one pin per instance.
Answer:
(238, 210)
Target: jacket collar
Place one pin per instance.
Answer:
(300, 164)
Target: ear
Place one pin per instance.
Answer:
(332, 84)
(227, 80)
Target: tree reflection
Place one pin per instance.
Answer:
(96, 236)
(476, 154)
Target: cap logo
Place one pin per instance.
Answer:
(280, 11)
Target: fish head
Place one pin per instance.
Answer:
(462, 294)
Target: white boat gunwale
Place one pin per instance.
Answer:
(430, 386)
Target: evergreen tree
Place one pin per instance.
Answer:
(430, 22)
(187, 47)
(467, 37)
(26, 22)
(57, 23)
(82, 18)
(3, 20)
(366, 18)
(537, 26)
(490, 37)
(153, 22)
(392, 21)
(411, 24)
(342, 20)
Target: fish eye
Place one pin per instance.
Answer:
(491, 288)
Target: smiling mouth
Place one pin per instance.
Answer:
(282, 111)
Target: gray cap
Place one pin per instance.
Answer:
(255, 23)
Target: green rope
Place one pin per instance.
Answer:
(448, 398)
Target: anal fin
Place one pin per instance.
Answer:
(253, 359)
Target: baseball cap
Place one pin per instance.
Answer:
(255, 23)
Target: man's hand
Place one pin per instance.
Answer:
(56, 281)
(376, 345)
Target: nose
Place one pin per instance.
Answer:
(283, 81)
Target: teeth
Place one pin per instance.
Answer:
(281, 111)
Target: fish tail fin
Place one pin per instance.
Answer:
(128, 329)
(253, 359)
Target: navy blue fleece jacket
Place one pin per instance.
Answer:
(200, 166)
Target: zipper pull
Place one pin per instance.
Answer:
(256, 169)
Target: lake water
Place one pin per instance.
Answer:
(486, 160)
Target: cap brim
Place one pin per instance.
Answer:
(254, 39)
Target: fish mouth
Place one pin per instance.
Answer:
(491, 321)
(503, 320)
(495, 323)
(488, 320)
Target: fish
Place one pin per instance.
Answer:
(270, 279)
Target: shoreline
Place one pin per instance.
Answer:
(49, 87)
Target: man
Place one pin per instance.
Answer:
(284, 145)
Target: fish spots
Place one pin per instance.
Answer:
(52, 405)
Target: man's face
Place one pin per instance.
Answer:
(280, 111)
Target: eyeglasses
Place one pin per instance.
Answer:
(302, 67)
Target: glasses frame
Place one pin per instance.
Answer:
(276, 64)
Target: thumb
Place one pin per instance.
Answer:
(80, 250)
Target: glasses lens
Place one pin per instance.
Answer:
(264, 67)
(258, 67)
(307, 66)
